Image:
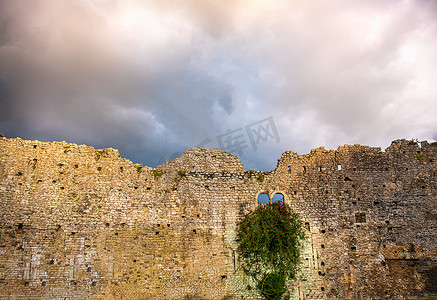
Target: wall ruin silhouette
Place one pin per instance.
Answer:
(77, 222)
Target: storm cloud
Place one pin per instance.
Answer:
(153, 78)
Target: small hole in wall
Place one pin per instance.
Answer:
(20, 226)
(295, 192)
(406, 169)
(34, 146)
(121, 169)
(289, 169)
(319, 169)
(375, 203)
(224, 276)
(355, 169)
(135, 188)
(51, 262)
(323, 230)
(158, 225)
(354, 202)
(307, 226)
(322, 288)
(61, 187)
(353, 248)
(304, 169)
(43, 283)
(61, 165)
(157, 232)
(323, 246)
(88, 269)
(26, 283)
(360, 218)
(168, 225)
(148, 188)
(107, 224)
(322, 263)
(93, 283)
(54, 181)
(194, 231)
(99, 169)
(183, 217)
(76, 166)
(198, 216)
(39, 181)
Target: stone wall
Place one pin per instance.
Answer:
(77, 222)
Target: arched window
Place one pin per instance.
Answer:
(263, 198)
(278, 197)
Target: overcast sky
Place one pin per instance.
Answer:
(153, 78)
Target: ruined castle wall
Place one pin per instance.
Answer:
(373, 221)
(78, 222)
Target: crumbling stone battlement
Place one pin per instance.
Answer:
(76, 222)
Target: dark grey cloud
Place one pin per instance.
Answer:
(153, 78)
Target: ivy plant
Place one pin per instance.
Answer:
(270, 243)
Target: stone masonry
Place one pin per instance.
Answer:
(81, 223)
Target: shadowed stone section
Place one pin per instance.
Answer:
(76, 222)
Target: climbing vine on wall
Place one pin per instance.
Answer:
(270, 242)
